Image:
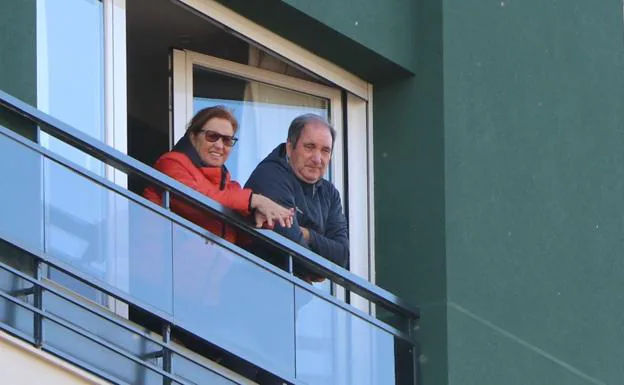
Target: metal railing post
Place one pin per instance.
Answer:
(38, 303)
(166, 352)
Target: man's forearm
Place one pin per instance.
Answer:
(336, 251)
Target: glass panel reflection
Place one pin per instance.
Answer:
(339, 348)
(108, 237)
(70, 81)
(22, 207)
(232, 302)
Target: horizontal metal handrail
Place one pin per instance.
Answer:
(127, 164)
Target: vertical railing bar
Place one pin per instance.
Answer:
(166, 353)
(166, 327)
(291, 265)
(166, 199)
(38, 303)
(37, 265)
(295, 325)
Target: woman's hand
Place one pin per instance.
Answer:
(270, 211)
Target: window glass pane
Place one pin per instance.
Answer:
(264, 113)
(70, 87)
(70, 69)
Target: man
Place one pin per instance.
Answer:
(292, 176)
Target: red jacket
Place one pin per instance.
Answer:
(213, 182)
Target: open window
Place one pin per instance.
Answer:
(182, 57)
(263, 102)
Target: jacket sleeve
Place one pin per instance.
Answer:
(235, 197)
(274, 183)
(334, 244)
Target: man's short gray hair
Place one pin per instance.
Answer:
(296, 127)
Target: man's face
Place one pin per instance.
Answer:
(311, 156)
(210, 142)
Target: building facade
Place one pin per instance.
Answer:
(479, 152)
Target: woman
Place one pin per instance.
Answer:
(203, 272)
(198, 159)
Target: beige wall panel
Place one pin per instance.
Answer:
(22, 364)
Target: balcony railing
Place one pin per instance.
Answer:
(109, 244)
(41, 312)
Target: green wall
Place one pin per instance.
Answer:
(18, 77)
(18, 66)
(384, 29)
(499, 183)
(18, 49)
(409, 188)
(534, 125)
(360, 50)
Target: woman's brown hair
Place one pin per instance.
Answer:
(205, 114)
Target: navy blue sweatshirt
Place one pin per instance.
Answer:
(317, 206)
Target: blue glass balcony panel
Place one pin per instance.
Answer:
(108, 237)
(21, 194)
(233, 302)
(339, 348)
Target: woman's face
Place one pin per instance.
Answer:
(209, 143)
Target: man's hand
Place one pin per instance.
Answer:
(306, 234)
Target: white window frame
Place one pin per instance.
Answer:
(359, 125)
(115, 116)
(116, 123)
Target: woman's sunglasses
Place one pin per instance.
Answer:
(212, 137)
